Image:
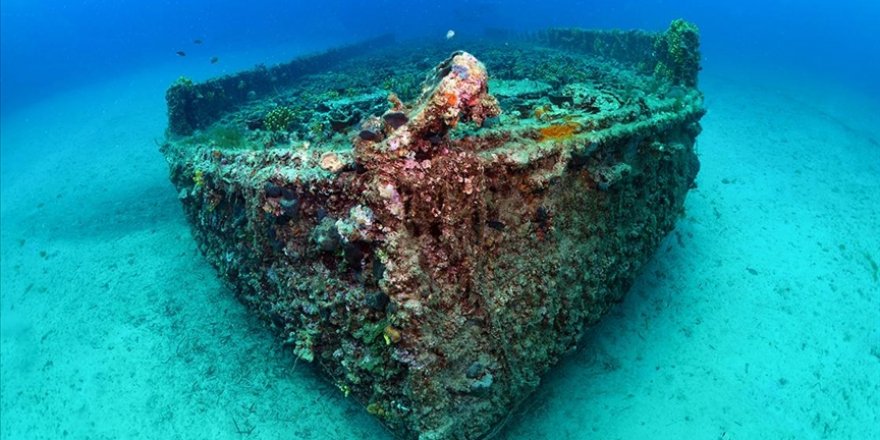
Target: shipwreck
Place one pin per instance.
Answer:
(434, 224)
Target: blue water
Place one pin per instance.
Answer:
(759, 317)
(50, 46)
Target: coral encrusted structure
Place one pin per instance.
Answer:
(435, 238)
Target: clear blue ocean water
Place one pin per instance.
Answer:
(759, 318)
(49, 47)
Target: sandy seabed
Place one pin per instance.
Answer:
(759, 316)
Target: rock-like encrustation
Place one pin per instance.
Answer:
(433, 248)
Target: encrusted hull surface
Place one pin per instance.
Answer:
(435, 251)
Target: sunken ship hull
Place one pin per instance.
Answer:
(435, 237)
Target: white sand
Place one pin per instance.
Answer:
(758, 318)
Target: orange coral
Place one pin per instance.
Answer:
(560, 131)
(451, 99)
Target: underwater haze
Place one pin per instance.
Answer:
(52, 46)
(757, 318)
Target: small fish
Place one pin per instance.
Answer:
(495, 224)
(395, 119)
(181, 53)
(214, 60)
(197, 41)
(449, 34)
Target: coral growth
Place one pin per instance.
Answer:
(278, 119)
(458, 91)
(559, 132)
(678, 53)
(198, 178)
(425, 251)
(331, 162)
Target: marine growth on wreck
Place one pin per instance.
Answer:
(434, 224)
